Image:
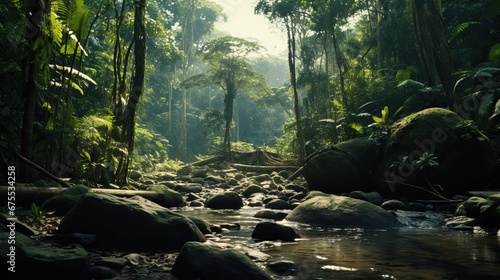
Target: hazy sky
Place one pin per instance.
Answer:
(242, 22)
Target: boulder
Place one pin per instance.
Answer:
(341, 211)
(464, 155)
(169, 197)
(278, 204)
(253, 189)
(487, 211)
(134, 223)
(270, 214)
(202, 261)
(394, 204)
(345, 167)
(224, 200)
(44, 261)
(61, 202)
(283, 267)
(188, 187)
(273, 231)
(373, 197)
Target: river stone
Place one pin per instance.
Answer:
(273, 231)
(64, 200)
(169, 197)
(134, 223)
(373, 197)
(202, 225)
(202, 261)
(225, 200)
(188, 187)
(284, 267)
(278, 204)
(345, 167)
(341, 211)
(270, 214)
(253, 189)
(394, 204)
(471, 207)
(51, 262)
(464, 154)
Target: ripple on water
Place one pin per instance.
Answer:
(353, 253)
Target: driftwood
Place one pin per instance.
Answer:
(208, 161)
(28, 195)
(262, 168)
(43, 171)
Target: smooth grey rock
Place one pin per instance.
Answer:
(134, 223)
(273, 231)
(342, 211)
(201, 261)
(278, 204)
(225, 200)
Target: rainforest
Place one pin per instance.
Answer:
(145, 138)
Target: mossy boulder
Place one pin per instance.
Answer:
(486, 210)
(169, 197)
(62, 202)
(46, 261)
(202, 261)
(464, 155)
(345, 167)
(131, 223)
(341, 211)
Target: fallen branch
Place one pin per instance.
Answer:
(43, 171)
(262, 168)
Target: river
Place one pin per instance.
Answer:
(409, 252)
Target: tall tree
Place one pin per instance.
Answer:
(432, 46)
(127, 118)
(285, 10)
(229, 69)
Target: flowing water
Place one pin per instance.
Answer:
(405, 253)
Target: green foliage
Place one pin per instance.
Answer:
(460, 28)
(494, 54)
(39, 213)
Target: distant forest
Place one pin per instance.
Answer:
(95, 88)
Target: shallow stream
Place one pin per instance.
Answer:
(406, 253)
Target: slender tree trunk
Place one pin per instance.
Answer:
(228, 115)
(32, 33)
(433, 49)
(128, 127)
(293, 79)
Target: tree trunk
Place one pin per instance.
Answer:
(433, 50)
(29, 93)
(293, 79)
(128, 116)
(228, 115)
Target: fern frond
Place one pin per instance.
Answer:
(460, 28)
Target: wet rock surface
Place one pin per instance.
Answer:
(123, 222)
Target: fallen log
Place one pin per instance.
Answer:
(262, 168)
(25, 196)
(207, 161)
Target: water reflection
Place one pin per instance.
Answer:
(407, 253)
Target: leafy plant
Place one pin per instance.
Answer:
(420, 166)
(39, 213)
(382, 123)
